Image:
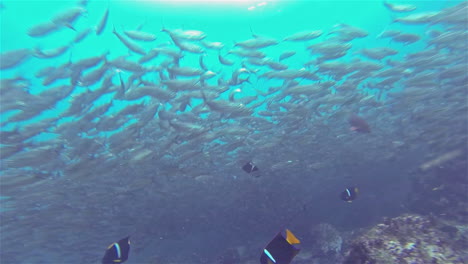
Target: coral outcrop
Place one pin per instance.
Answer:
(410, 239)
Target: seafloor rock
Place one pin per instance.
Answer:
(325, 247)
(410, 239)
(330, 239)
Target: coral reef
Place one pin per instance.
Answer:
(410, 239)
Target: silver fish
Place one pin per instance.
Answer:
(248, 53)
(276, 65)
(94, 76)
(123, 64)
(43, 29)
(13, 58)
(51, 53)
(129, 44)
(225, 61)
(212, 45)
(286, 54)
(185, 34)
(102, 23)
(182, 85)
(140, 35)
(185, 71)
(255, 43)
(417, 19)
(346, 32)
(304, 36)
(190, 47)
(81, 35)
(406, 38)
(399, 7)
(378, 53)
(68, 17)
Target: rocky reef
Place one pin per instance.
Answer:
(411, 239)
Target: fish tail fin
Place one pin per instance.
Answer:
(251, 31)
(202, 82)
(71, 54)
(380, 35)
(139, 27)
(248, 80)
(195, 83)
(122, 83)
(70, 26)
(203, 96)
(105, 55)
(386, 4)
(163, 27)
(37, 50)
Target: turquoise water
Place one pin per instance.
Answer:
(225, 22)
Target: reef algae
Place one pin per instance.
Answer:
(410, 239)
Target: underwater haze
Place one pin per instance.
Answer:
(201, 129)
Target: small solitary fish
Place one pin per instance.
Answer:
(358, 124)
(117, 252)
(349, 194)
(281, 249)
(249, 167)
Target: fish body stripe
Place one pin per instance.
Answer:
(269, 255)
(117, 247)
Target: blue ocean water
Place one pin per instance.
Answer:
(188, 201)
